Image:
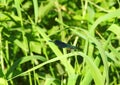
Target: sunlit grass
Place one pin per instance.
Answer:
(27, 56)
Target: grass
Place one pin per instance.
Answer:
(27, 56)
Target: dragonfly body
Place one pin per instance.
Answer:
(63, 45)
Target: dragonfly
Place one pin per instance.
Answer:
(63, 45)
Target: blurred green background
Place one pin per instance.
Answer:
(28, 58)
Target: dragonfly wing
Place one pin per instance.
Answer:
(63, 45)
(60, 44)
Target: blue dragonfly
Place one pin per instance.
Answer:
(63, 45)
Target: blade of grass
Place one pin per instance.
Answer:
(44, 63)
(43, 10)
(110, 15)
(102, 53)
(72, 79)
(88, 78)
(58, 53)
(17, 5)
(21, 61)
(94, 70)
(21, 45)
(35, 3)
(49, 81)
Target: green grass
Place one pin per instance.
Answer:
(28, 58)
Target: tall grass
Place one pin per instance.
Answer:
(27, 56)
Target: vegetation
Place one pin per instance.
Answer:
(27, 57)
